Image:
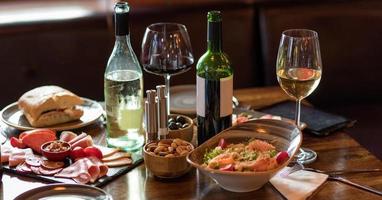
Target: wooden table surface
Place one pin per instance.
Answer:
(335, 152)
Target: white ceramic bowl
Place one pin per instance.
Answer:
(283, 135)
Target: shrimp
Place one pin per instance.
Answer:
(260, 146)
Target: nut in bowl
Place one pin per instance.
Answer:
(180, 126)
(56, 150)
(167, 158)
(284, 137)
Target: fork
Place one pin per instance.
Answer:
(333, 175)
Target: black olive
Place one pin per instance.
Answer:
(185, 125)
(179, 125)
(180, 119)
(171, 119)
(172, 126)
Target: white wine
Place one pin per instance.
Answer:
(124, 108)
(298, 82)
(123, 87)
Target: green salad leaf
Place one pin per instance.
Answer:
(210, 154)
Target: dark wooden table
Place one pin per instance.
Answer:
(335, 152)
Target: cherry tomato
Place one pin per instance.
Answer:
(77, 152)
(17, 143)
(93, 151)
(222, 143)
(282, 157)
(227, 168)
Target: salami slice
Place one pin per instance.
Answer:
(49, 172)
(47, 164)
(23, 167)
(35, 169)
(33, 160)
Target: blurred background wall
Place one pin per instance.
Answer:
(68, 42)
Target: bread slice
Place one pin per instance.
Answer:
(49, 105)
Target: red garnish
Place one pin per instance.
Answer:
(282, 157)
(222, 143)
(228, 167)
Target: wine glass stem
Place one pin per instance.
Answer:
(298, 110)
(167, 83)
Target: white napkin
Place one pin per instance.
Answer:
(298, 185)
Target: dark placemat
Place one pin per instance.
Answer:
(112, 174)
(318, 122)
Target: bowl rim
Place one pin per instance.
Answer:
(46, 143)
(156, 141)
(246, 173)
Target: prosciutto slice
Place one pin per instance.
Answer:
(5, 153)
(78, 137)
(84, 170)
(103, 169)
(18, 156)
(84, 142)
(78, 171)
(67, 136)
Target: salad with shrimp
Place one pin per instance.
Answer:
(254, 156)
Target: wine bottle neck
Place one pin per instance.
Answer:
(121, 17)
(122, 41)
(214, 36)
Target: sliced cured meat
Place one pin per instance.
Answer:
(119, 162)
(5, 153)
(78, 137)
(67, 136)
(35, 139)
(17, 156)
(23, 167)
(49, 172)
(47, 164)
(33, 160)
(78, 171)
(116, 156)
(35, 169)
(84, 142)
(103, 169)
(106, 152)
(93, 169)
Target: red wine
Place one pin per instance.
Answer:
(160, 66)
(214, 84)
(213, 120)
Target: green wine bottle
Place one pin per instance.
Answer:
(214, 83)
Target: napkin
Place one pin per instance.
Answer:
(298, 185)
(318, 122)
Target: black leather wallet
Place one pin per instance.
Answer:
(318, 122)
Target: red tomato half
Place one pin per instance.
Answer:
(77, 153)
(93, 151)
(17, 143)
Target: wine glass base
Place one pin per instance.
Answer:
(306, 156)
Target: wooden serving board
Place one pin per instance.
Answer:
(112, 174)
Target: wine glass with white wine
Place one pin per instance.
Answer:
(299, 69)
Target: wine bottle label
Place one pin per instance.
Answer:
(214, 96)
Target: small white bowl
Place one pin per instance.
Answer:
(283, 135)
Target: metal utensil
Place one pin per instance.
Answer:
(351, 183)
(333, 175)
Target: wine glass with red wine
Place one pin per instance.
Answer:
(299, 69)
(166, 51)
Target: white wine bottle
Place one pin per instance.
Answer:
(123, 88)
(214, 83)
